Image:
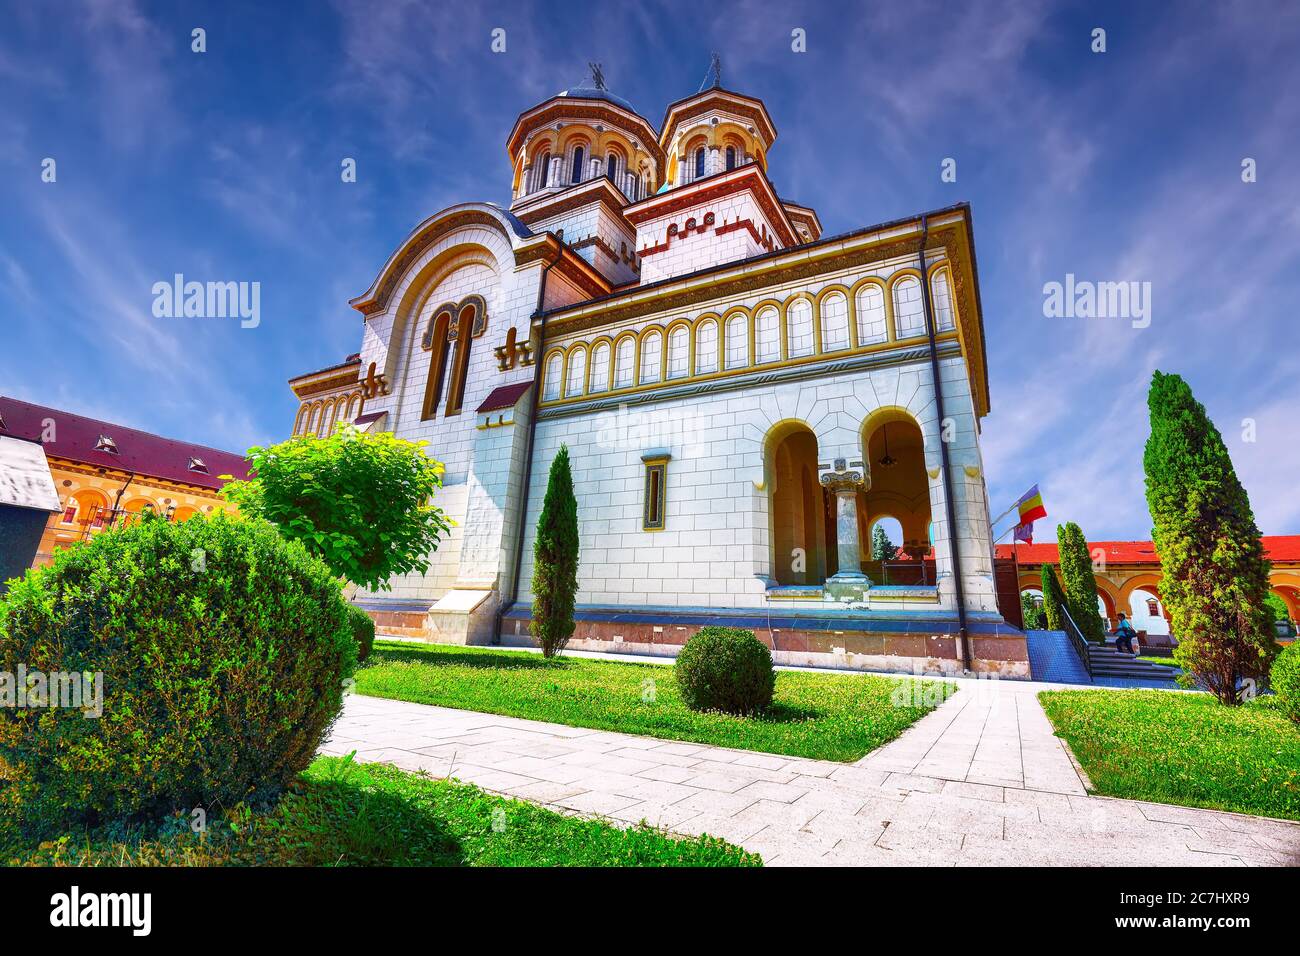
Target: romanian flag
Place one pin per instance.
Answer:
(1031, 507)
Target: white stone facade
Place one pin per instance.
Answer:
(700, 348)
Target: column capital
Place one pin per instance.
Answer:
(844, 477)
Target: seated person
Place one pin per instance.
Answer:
(1124, 634)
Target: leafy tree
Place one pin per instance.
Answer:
(555, 560)
(1214, 573)
(1080, 583)
(1031, 614)
(357, 500)
(1053, 599)
(882, 549)
(1280, 612)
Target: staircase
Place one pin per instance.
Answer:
(1105, 661)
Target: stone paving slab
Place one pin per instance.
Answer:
(980, 781)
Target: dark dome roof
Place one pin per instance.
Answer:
(591, 93)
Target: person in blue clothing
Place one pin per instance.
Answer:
(1124, 635)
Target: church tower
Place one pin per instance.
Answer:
(579, 159)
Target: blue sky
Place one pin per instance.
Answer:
(1120, 166)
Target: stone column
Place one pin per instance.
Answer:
(848, 583)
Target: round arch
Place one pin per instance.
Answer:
(797, 508)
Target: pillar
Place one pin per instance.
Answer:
(848, 583)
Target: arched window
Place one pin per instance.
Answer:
(799, 325)
(870, 303)
(737, 341)
(599, 368)
(731, 157)
(835, 322)
(699, 163)
(543, 171)
(706, 347)
(679, 352)
(623, 363)
(611, 167)
(909, 315)
(437, 366)
(944, 319)
(553, 376)
(767, 335)
(460, 371)
(575, 175)
(652, 348)
(576, 373)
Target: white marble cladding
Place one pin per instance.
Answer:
(695, 245)
(599, 235)
(716, 548)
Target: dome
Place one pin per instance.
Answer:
(592, 93)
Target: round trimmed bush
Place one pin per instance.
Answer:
(1284, 678)
(363, 630)
(223, 650)
(726, 669)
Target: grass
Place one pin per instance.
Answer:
(1162, 661)
(1185, 749)
(348, 814)
(824, 716)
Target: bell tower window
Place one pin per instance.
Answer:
(575, 175)
(699, 163)
(731, 157)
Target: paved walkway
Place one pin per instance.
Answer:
(981, 781)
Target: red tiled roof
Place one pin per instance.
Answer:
(1277, 547)
(143, 453)
(503, 396)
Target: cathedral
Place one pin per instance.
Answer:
(743, 399)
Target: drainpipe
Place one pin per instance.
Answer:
(539, 312)
(963, 634)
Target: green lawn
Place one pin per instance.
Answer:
(825, 716)
(1162, 661)
(349, 814)
(1181, 748)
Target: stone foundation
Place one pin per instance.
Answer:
(839, 639)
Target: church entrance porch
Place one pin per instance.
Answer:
(824, 515)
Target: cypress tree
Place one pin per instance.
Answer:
(1053, 598)
(555, 560)
(1214, 577)
(1080, 584)
(882, 549)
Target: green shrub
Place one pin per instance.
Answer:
(223, 650)
(726, 669)
(363, 629)
(1284, 678)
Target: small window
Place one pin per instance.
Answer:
(543, 171)
(699, 162)
(1153, 608)
(611, 168)
(70, 512)
(106, 444)
(576, 173)
(731, 157)
(654, 513)
(196, 464)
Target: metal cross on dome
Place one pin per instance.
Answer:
(597, 75)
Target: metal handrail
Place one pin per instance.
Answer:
(1077, 640)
